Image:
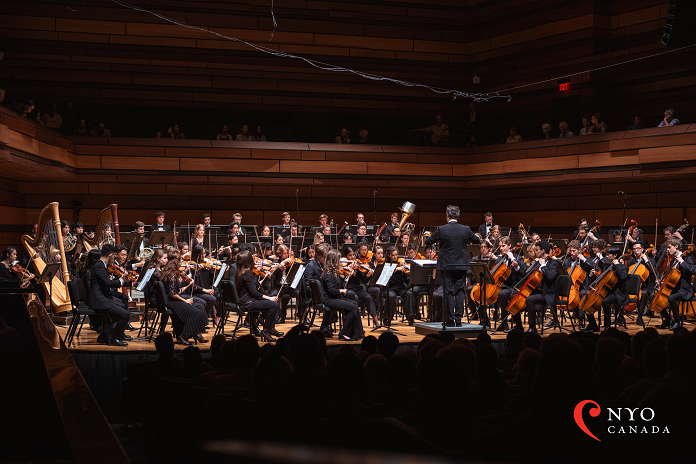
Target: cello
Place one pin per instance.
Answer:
(526, 286)
(637, 269)
(577, 277)
(593, 299)
(669, 281)
(500, 273)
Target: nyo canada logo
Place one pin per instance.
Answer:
(619, 420)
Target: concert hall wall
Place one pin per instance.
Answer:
(141, 75)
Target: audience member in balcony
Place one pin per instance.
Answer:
(437, 130)
(343, 138)
(546, 130)
(224, 133)
(70, 119)
(259, 137)
(565, 131)
(514, 136)
(598, 126)
(28, 108)
(637, 122)
(175, 132)
(52, 119)
(472, 142)
(100, 131)
(669, 119)
(244, 136)
(37, 116)
(362, 136)
(81, 130)
(586, 123)
(445, 140)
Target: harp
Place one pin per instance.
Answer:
(47, 248)
(107, 230)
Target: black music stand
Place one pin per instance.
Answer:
(373, 283)
(160, 237)
(481, 275)
(425, 275)
(370, 239)
(46, 277)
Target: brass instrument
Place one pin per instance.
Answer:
(407, 209)
(69, 243)
(146, 254)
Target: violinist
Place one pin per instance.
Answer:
(377, 259)
(226, 251)
(399, 285)
(616, 295)
(545, 292)
(157, 261)
(7, 259)
(281, 288)
(203, 284)
(575, 257)
(120, 260)
(199, 238)
(517, 270)
(101, 296)
(338, 298)
(191, 318)
(314, 271)
(359, 281)
(646, 288)
(684, 290)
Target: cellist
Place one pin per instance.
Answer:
(545, 292)
(517, 270)
(576, 257)
(646, 287)
(683, 291)
(617, 295)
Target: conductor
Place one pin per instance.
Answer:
(453, 262)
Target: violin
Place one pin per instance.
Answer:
(403, 266)
(500, 273)
(23, 274)
(525, 288)
(118, 273)
(593, 299)
(185, 278)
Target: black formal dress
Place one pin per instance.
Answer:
(101, 297)
(192, 318)
(453, 238)
(331, 289)
(358, 285)
(6, 274)
(251, 299)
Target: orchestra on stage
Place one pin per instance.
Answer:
(500, 278)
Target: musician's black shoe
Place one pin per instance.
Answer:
(450, 324)
(474, 317)
(130, 327)
(116, 342)
(591, 328)
(503, 327)
(674, 326)
(532, 330)
(581, 325)
(102, 339)
(648, 313)
(410, 321)
(639, 321)
(327, 333)
(665, 324)
(551, 325)
(457, 323)
(126, 337)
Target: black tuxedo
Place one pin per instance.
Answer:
(453, 238)
(482, 229)
(100, 297)
(163, 228)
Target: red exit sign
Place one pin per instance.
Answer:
(564, 87)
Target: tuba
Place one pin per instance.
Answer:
(407, 209)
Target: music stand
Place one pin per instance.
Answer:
(369, 239)
(46, 277)
(424, 273)
(163, 238)
(481, 275)
(376, 275)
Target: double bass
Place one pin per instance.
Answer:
(593, 299)
(525, 288)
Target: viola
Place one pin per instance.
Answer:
(23, 274)
(525, 288)
(593, 299)
(500, 274)
(115, 271)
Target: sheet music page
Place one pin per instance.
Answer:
(298, 276)
(425, 262)
(223, 268)
(145, 280)
(387, 272)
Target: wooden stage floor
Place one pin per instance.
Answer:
(87, 341)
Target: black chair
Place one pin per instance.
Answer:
(230, 303)
(318, 303)
(80, 309)
(163, 310)
(145, 323)
(563, 286)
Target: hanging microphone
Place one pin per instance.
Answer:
(621, 192)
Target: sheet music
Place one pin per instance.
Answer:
(145, 280)
(387, 272)
(298, 276)
(223, 268)
(425, 262)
